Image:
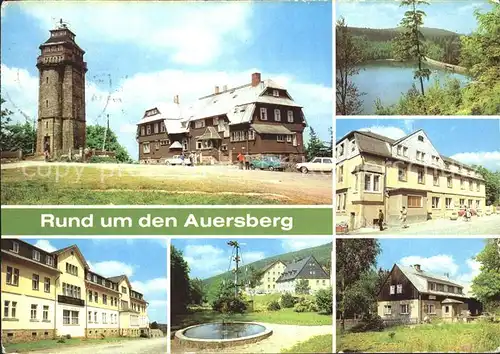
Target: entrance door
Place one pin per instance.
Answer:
(352, 220)
(46, 143)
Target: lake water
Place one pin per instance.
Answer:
(388, 80)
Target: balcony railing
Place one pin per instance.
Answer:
(70, 300)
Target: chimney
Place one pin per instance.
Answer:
(255, 79)
(216, 89)
(447, 275)
(224, 88)
(417, 267)
(176, 99)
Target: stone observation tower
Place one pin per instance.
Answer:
(61, 97)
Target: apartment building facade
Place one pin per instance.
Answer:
(49, 294)
(102, 306)
(376, 173)
(410, 294)
(132, 309)
(270, 274)
(307, 269)
(259, 118)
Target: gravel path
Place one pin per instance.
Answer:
(150, 346)
(283, 337)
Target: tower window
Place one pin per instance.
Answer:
(47, 125)
(46, 103)
(47, 79)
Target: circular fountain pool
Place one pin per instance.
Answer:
(218, 334)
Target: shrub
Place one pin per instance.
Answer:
(61, 340)
(229, 304)
(369, 323)
(273, 306)
(288, 300)
(324, 301)
(68, 336)
(305, 305)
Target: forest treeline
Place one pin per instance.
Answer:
(441, 45)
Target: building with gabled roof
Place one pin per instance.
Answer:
(375, 173)
(49, 294)
(258, 118)
(410, 294)
(269, 274)
(307, 269)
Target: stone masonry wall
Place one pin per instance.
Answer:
(26, 335)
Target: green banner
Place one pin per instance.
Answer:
(175, 221)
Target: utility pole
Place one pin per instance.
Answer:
(236, 246)
(105, 133)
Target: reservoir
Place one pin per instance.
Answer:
(387, 80)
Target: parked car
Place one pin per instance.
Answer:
(267, 163)
(177, 160)
(317, 164)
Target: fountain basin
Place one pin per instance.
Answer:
(221, 335)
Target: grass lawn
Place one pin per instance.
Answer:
(53, 344)
(459, 337)
(283, 316)
(316, 344)
(260, 314)
(90, 185)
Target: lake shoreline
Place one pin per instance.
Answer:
(430, 62)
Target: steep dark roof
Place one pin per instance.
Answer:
(293, 270)
(371, 143)
(117, 279)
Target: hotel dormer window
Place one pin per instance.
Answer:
(148, 129)
(50, 260)
(15, 247)
(276, 93)
(36, 255)
(420, 138)
(289, 116)
(94, 278)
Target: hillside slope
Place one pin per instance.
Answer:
(322, 253)
(387, 34)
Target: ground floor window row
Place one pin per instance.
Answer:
(37, 312)
(71, 317)
(404, 309)
(416, 201)
(93, 317)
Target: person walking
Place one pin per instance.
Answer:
(46, 151)
(403, 217)
(241, 160)
(381, 220)
(468, 213)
